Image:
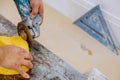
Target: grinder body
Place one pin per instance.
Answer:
(28, 28)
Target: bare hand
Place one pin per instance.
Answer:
(13, 57)
(37, 7)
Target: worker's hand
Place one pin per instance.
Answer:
(37, 7)
(13, 57)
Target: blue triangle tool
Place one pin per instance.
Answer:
(94, 24)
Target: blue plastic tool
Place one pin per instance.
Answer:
(94, 24)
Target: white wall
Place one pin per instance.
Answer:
(111, 6)
(76, 8)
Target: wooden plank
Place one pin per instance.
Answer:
(47, 66)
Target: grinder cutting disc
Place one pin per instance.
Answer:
(24, 32)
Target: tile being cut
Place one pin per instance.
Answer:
(94, 24)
